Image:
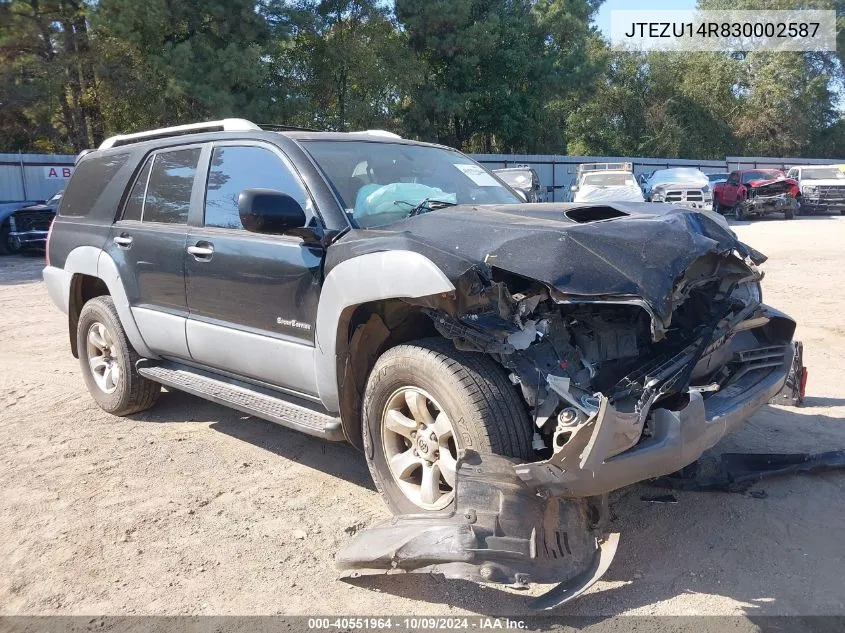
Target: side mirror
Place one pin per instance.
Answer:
(272, 212)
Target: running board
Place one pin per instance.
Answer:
(280, 408)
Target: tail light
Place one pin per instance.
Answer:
(47, 246)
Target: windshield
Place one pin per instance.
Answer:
(763, 174)
(686, 175)
(717, 177)
(380, 183)
(609, 180)
(822, 173)
(519, 179)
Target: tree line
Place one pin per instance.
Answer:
(522, 76)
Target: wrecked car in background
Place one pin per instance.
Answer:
(27, 226)
(525, 181)
(502, 366)
(756, 192)
(681, 186)
(821, 187)
(599, 182)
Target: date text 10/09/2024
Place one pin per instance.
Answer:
(722, 29)
(416, 623)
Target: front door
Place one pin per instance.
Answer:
(148, 245)
(252, 298)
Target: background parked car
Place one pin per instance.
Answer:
(28, 226)
(525, 180)
(756, 192)
(683, 186)
(822, 188)
(606, 182)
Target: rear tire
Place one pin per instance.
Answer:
(108, 361)
(423, 402)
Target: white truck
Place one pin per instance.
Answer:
(606, 182)
(822, 188)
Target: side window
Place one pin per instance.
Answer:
(135, 201)
(236, 168)
(169, 190)
(792, 173)
(89, 181)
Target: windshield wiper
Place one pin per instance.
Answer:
(429, 204)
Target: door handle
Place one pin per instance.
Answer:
(201, 253)
(124, 241)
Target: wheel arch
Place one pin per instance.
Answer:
(367, 305)
(94, 273)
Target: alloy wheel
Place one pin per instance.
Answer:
(102, 358)
(420, 448)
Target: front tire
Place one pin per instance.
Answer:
(108, 361)
(426, 400)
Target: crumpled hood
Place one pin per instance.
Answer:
(640, 254)
(768, 181)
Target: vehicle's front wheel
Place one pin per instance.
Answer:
(717, 208)
(789, 214)
(108, 361)
(423, 402)
(739, 212)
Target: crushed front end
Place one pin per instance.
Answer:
(778, 196)
(621, 387)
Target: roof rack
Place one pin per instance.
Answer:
(605, 167)
(225, 125)
(280, 127)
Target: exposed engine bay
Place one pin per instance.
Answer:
(567, 354)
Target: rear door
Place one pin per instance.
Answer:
(252, 297)
(148, 245)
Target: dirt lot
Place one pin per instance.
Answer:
(195, 509)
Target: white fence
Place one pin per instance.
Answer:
(559, 173)
(33, 176)
(39, 176)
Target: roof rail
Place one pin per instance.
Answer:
(605, 167)
(225, 125)
(383, 133)
(281, 127)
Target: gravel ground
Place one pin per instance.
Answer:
(192, 508)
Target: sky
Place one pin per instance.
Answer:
(603, 17)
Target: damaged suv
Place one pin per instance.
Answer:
(502, 365)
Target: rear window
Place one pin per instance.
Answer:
(88, 182)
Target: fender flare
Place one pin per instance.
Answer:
(94, 262)
(370, 277)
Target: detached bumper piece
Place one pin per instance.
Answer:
(501, 531)
(793, 390)
(739, 471)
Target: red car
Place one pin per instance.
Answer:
(751, 192)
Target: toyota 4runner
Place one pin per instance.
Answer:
(501, 365)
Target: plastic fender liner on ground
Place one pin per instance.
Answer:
(501, 531)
